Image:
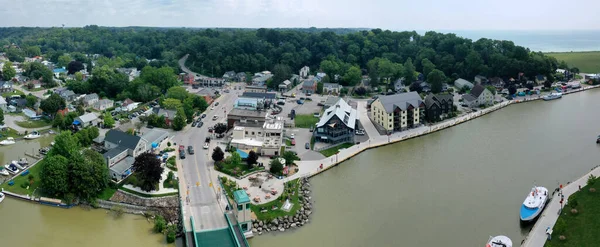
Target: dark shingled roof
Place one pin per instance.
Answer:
(468, 97)
(435, 99)
(122, 139)
(477, 90)
(114, 152)
(402, 101)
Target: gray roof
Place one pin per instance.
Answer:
(460, 82)
(309, 83)
(88, 117)
(6, 84)
(331, 85)
(164, 112)
(247, 113)
(432, 99)
(331, 100)
(122, 139)
(67, 93)
(259, 95)
(114, 152)
(121, 166)
(343, 111)
(2, 101)
(90, 97)
(401, 100)
(154, 135)
(477, 90)
(468, 98)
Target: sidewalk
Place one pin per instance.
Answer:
(537, 236)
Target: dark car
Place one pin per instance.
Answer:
(216, 103)
(200, 124)
(182, 154)
(307, 145)
(203, 115)
(194, 124)
(190, 150)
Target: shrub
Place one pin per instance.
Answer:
(24, 184)
(573, 203)
(69, 198)
(168, 144)
(592, 190)
(574, 211)
(159, 224)
(171, 236)
(31, 177)
(591, 180)
(170, 176)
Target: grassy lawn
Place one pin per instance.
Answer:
(288, 142)
(587, 62)
(146, 195)
(332, 151)
(8, 94)
(21, 181)
(305, 121)
(107, 194)
(581, 228)
(8, 133)
(34, 124)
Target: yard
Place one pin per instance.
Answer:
(580, 227)
(8, 133)
(305, 121)
(25, 185)
(14, 92)
(107, 194)
(236, 169)
(34, 124)
(587, 62)
(332, 151)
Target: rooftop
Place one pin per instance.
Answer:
(343, 111)
(154, 136)
(259, 95)
(247, 142)
(273, 125)
(122, 166)
(240, 196)
(401, 100)
(88, 117)
(122, 139)
(247, 113)
(114, 152)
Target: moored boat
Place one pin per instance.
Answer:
(8, 141)
(11, 168)
(2, 196)
(534, 203)
(15, 163)
(552, 96)
(23, 161)
(499, 241)
(3, 171)
(32, 135)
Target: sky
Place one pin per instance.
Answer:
(385, 14)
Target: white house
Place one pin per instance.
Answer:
(332, 88)
(85, 120)
(460, 83)
(479, 95)
(304, 71)
(103, 104)
(3, 104)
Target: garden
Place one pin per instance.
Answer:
(234, 165)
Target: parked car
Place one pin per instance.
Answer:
(190, 149)
(200, 123)
(300, 102)
(216, 103)
(215, 117)
(203, 115)
(181, 148)
(226, 91)
(293, 142)
(194, 124)
(292, 136)
(210, 129)
(205, 145)
(182, 154)
(307, 145)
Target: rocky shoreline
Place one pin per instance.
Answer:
(281, 224)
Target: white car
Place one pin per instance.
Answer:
(292, 136)
(205, 145)
(212, 108)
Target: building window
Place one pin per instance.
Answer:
(246, 132)
(252, 132)
(390, 125)
(240, 207)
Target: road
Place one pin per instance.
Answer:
(202, 202)
(186, 70)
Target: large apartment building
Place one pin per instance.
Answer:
(398, 112)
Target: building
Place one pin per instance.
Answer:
(438, 106)
(330, 101)
(425, 87)
(89, 99)
(129, 105)
(260, 79)
(168, 114)
(246, 103)
(479, 95)
(6, 86)
(240, 77)
(285, 86)
(229, 76)
(398, 112)
(36, 84)
(122, 150)
(242, 211)
(86, 120)
(59, 71)
(461, 83)
(332, 88)
(337, 125)
(243, 116)
(264, 98)
(256, 89)
(304, 72)
(103, 104)
(131, 73)
(309, 86)
(3, 104)
(321, 75)
(212, 82)
(479, 79)
(68, 95)
(263, 138)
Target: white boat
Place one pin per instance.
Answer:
(14, 162)
(23, 161)
(33, 135)
(2, 197)
(8, 141)
(52, 144)
(499, 241)
(11, 168)
(552, 96)
(534, 203)
(3, 171)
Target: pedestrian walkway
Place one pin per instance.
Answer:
(537, 236)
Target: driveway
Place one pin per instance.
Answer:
(10, 121)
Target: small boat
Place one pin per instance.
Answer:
(52, 144)
(499, 241)
(3, 171)
(598, 139)
(32, 135)
(11, 168)
(15, 163)
(44, 151)
(552, 96)
(534, 204)
(23, 161)
(8, 141)
(2, 197)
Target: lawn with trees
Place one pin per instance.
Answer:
(585, 62)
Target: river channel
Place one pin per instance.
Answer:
(455, 187)
(28, 224)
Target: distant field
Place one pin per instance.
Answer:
(587, 62)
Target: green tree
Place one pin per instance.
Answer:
(179, 121)
(88, 173)
(78, 76)
(188, 108)
(171, 104)
(80, 110)
(352, 76)
(177, 92)
(52, 104)
(436, 78)
(59, 122)
(109, 121)
(66, 145)
(220, 128)
(164, 77)
(200, 103)
(428, 66)
(330, 67)
(252, 159)
(281, 72)
(409, 71)
(235, 158)
(1, 116)
(32, 51)
(320, 87)
(159, 224)
(64, 60)
(54, 175)
(218, 154)
(276, 166)
(31, 100)
(289, 157)
(148, 171)
(8, 72)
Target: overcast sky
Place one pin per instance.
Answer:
(385, 14)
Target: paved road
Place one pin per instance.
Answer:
(186, 70)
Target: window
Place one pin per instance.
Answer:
(390, 125)
(252, 132)
(246, 132)
(240, 207)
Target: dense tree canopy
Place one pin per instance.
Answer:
(52, 104)
(148, 171)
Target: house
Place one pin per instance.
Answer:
(461, 83)
(103, 104)
(309, 86)
(260, 79)
(255, 89)
(31, 114)
(122, 150)
(244, 116)
(90, 99)
(36, 84)
(240, 76)
(497, 82)
(265, 138)
(129, 105)
(68, 95)
(229, 75)
(168, 114)
(3, 104)
(398, 112)
(399, 85)
(438, 106)
(304, 71)
(540, 78)
(86, 120)
(59, 71)
(18, 102)
(332, 88)
(320, 75)
(337, 125)
(479, 79)
(425, 87)
(479, 95)
(285, 86)
(132, 73)
(6, 86)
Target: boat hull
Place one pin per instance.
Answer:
(2, 196)
(527, 214)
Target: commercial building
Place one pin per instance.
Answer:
(243, 116)
(337, 125)
(264, 139)
(398, 112)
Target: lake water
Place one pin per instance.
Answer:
(455, 187)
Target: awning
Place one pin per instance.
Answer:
(76, 122)
(154, 145)
(242, 154)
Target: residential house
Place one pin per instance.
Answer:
(68, 95)
(6, 86)
(168, 114)
(398, 112)
(260, 79)
(86, 120)
(244, 116)
(438, 106)
(36, 84)
(3, 104)
(264, 138)
(461, 83)
(19, 103)
(497, 82)
(285, 86)
(132, 73)
(229, 76)
(320, 75)
(103, 104)
(332, 88)
(337, 125)
(240, 77)
(122, 150)
(399, 85)
(309, 86)
(129, 105)
(90, 99)
(479, 79)
(479, 95)
(255, 89)
(31, 114)
(304, 71)
(59, 71)
(425, 87)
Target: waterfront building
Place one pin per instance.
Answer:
(398, 112)
(242, 211)
(479, 95)
(337, 125)
(461, 83)
(437, 106)
(264, 139)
